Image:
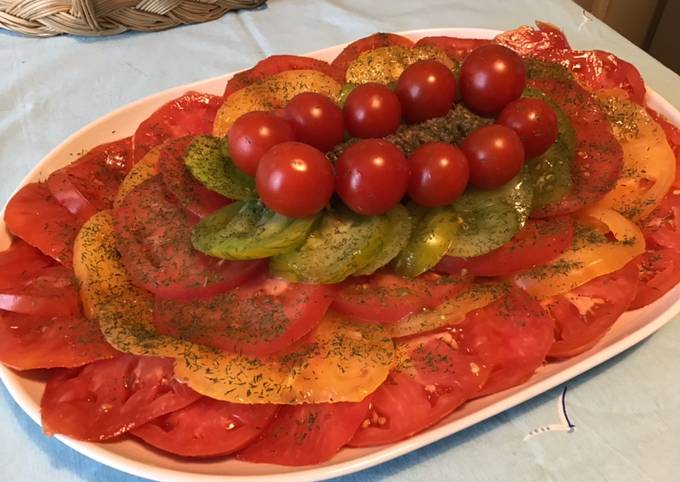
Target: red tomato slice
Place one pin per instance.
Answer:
(431, 381)
(110, 397)
(352, 51)
(28, 342)
(52, 291)
(207, 428)
(272, 65)
(539, 242)
(21, 261)
(191, 194)
(586, 313)
(599, 157)
(662, 226)
(191, 114)
(154, 240)
(659, 271)
(306, 434)
(36, 217)
(455, 47)
(673, 135)
(512, 335)
(530, 42)
(385, 297)
(90, 184)
(263, 316)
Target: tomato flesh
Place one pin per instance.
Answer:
(539, 242)
(191, 114)
(306, 434)
(154, 239)
(52, 291)
(659, 272)
(207, 428)
(385, 297)
(107, 398)
(260, 317)
(456, 48)
(354, 49)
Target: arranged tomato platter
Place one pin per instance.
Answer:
(321, 263)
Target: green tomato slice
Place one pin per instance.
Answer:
(396, 239)
(490, 218)
(341, 243)
(208, 160)
(249, 230)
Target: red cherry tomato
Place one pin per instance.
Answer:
(439, 174)
(316, 120)
(255, 133)
(371, 176)
(491, 77)
(534, 121)
(495, 154)
(426, 90)
(294, 179)
(372, 110)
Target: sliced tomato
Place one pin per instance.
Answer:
(272, 65)
(673, 135)
(36, 217)
(432, 379)
(659, 272)
(598, 161)
(28, 341)
(455, 47)
(51, 291)
(190, 194)
(91, 182)
(110, 397)
(306, 434)
(191, 114)
(531, 42)
(153, 236)
(354, 49)
(385, 297)
(585, 314)
(537, 243)
(511, 335)
(262, 316)
(207, 428)
(662, 226)
(20, 261)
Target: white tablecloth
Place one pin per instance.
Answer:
(627, 412)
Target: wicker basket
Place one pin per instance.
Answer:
(45, 18)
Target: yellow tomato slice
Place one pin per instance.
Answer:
(124, 312)
(592, 255)
(146, 168)
(385, 64)
(272, 93)
(450, 312)
(340, 361)
(647, 157)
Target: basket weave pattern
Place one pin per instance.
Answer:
(46, 18)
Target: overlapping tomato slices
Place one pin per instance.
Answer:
(354, 49)
(207, 428)
(272, 65)
(90, 183)
(385, 297)
(189, 193)
(262, 316)
(455, 47)
(191, 114)
(154, 239)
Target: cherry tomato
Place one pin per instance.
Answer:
(439, 174)
(255, 133)
(372, 110)
(495, 154)
(491, 77)
(426, 90)
(294, 179)
(316, 120)
(371, 176)
(534, 121)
